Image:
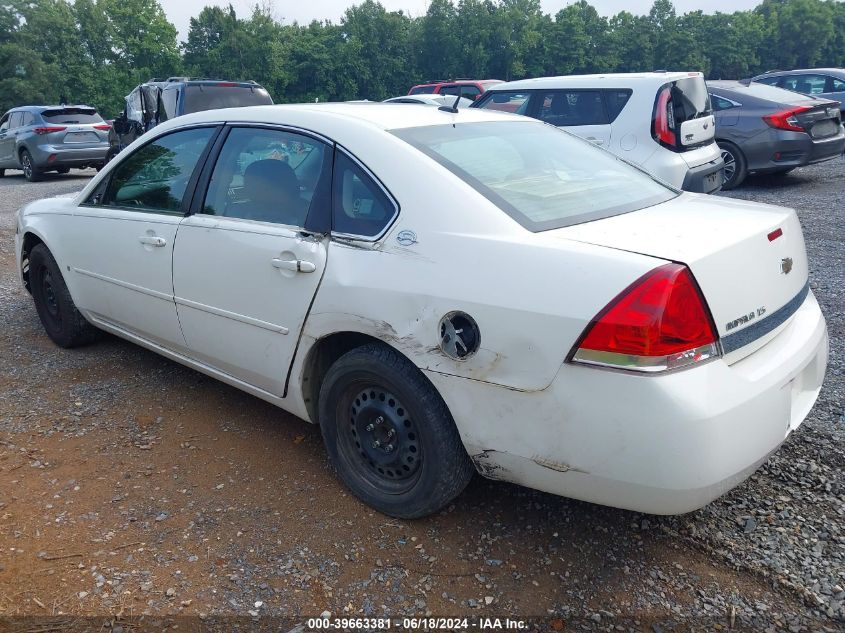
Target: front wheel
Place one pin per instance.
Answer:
(389, 434)
(30, 172)
(63, 323)
(735, 165)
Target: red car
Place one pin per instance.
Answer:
(467, 88)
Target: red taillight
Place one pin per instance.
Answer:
(103, 126)
(47, 130)
(660, 322)
(664, 119)
(785, 120)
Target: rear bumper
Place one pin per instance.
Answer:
(795, 149)
(661, 444)
(705, 178)
(68, 156)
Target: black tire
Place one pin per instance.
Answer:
(30, 171)
(2, 172)
(63, 170)
(373, 396)
(736, 167)
(63, 323)
(113, 151)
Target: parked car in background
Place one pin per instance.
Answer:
(438, 100)
(661, 121)
(468, 88)
(764, 129)
(160, 100)
(559, 319)
(40, 139)
(827, 83)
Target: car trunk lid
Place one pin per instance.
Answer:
(749, 259)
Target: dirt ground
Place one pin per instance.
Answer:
(130, 485)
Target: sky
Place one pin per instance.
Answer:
(180, 11)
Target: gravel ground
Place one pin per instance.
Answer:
(130, 485)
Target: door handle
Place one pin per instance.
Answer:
(296, 265)
(152, 240)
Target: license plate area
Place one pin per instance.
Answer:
(81, 137)
(823, 129)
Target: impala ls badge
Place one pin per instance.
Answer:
(786, 265)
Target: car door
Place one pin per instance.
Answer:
(7, 143)
(244, 270)
(120, 240)
(581, 112)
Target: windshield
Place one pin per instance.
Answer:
(541, 176)
(213, 96)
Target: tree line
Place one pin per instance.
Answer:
(96, 51)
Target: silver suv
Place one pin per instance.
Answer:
(38, 139)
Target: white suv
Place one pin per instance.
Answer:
(661, 121)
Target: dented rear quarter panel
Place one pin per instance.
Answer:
(531, 294)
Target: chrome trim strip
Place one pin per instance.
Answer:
(125, 284)
(751, 333)
(279, 329)
(646, 364)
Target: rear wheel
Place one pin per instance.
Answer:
(735, 165)
(390, 435)
(30, 172)
(63, 323)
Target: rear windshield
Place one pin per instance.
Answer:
(690, 99)
(422, 90)
(71, 115)
(541, 176)
(212, 97)
(771, 93)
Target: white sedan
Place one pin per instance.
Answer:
(445, 293)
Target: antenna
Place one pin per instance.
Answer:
(453, 108)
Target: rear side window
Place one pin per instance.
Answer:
(70, 116)
(516, 102)
(837, 85)
(449, 90)
(28, 119)
(422, 90)
(720, 104)
(769, 81)
(214, 96)
(167, 107)
(615, 101)
(569, 108)
(540, 176)
(267, 176)
(361, 207)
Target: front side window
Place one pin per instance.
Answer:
(4, 122)
(155, 177)
(361, 207)
(566, 108)
(502, 101)
(267, 176)
(542, 177)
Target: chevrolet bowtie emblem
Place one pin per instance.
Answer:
(786, 265)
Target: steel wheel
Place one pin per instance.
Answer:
(44, 286)
(380, 439)
(735, 169)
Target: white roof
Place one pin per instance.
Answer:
(606, 80)
(385, 116)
